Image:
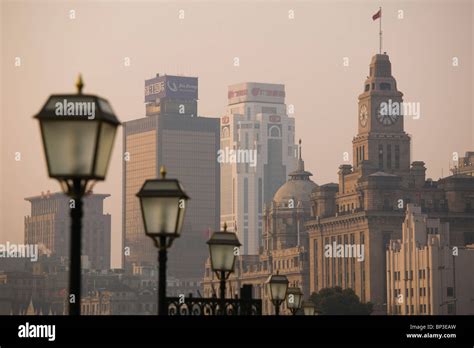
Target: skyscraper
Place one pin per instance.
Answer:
(173, 135)
(257, 153)
(49, 226)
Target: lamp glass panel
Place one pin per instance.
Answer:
(278, 291)
(106, 141)
(182, 209)
(70, 146)
(160, 214)
(222, 257)
(308, 310)
(293, 300)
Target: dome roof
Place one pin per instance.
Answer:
(298, 187)
(298, 190)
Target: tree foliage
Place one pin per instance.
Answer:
(338, 301)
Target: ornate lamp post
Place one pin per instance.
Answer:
(78, 132)
(277, 286)
(293, 299)
(309, 308)
(222, 247)
(163, 204)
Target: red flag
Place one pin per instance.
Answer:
(377, 15)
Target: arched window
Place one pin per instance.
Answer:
(274, 132)
(225, 132)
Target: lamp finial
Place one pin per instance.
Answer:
(79, 84)
(163, 172)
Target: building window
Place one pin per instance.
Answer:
(389, 156)
(333, 264)
(275, 132)
(380, 156)
(450, 291)
(233, 196)
(269, 110)
(451, 308)
(367, 87)
(246, 196)
(397, 156)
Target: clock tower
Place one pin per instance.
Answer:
(381, 143)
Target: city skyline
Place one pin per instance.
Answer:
(328, 105)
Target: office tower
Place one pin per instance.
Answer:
(49, 227)
(171, 134)
(257, 153)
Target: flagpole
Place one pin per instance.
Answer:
(380, 31)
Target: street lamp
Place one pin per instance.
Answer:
(277, 285)
(78, 132)
(293, 299)
(309, 308)
(163, 204)
(222, 247)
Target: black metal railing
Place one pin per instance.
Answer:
(212, 306)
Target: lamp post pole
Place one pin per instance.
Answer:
(163, 203)
(277, 308)
(76, 214)
(278, 287)
(162, 258)
(222, 246)
(222, 291)
(76, 161)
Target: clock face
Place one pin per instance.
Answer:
(386, 118)
(363, 115)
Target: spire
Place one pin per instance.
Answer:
(300, 148)
(300, 173)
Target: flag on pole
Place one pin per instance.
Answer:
(377, 15)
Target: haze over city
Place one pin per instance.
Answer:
(306, 54)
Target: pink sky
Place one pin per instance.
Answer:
(306, 54)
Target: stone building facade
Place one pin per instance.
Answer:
(425, 275)
(367, 206)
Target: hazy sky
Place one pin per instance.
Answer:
(305, 53)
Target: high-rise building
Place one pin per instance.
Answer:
(425, 275)
(285, 247)
(366, 209)
(172, 135)
(257, 153)
(49, 227)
